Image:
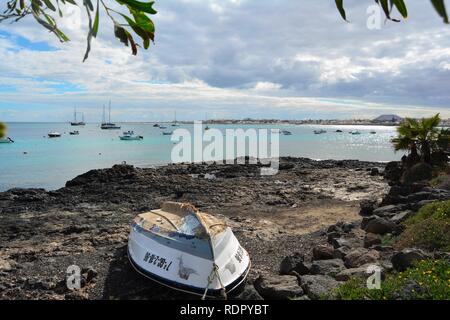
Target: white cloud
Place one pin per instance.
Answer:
(218, 56)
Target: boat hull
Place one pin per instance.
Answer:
(130, 138)
(5, 140)
(185, 270)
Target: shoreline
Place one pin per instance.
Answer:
(87, 222)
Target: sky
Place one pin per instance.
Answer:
(284, 59)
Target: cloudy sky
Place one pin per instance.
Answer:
(232, 59)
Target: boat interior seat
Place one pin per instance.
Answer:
(183, 218)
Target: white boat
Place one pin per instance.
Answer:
(129, 135)
(6, 140)
(54, 134)
(74, 133)
(187, 250)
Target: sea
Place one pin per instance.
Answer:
(36, 161)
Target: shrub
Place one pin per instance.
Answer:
(432, 278)
(428, 229)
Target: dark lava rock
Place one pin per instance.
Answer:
(278, 287)
(318, 286)
(327, 267)
(367, 207)
(374, 172)
(115, 174)
(323, 252)
(296, 263)
(380, 226)
(387, 211)
(361, 256)
(406, 258)
(393, 171)
(419, 172)
(408, 291)
(371, 239)
(249, 293)
(402, 216)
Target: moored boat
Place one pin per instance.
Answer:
(286, 133)
(167, 133)
(75, 122)
(54, 134)
(6, 140)
(319, 131)
(108, 125)
(129, 135)
(187, 250)
(74, 133)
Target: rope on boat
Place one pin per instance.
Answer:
(214, 273)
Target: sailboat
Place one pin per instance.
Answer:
(108, 125)
(75, 122)
(206, 120)
(175, 123)
(188, 250)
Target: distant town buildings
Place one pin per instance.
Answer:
(384, 120)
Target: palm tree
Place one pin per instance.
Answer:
(406, 139)
(421, 138)
(2, 130)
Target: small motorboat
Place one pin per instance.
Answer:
(167, 133)
(207, 128)
(156, 125)
(373, 132)
(54, 134)
(6, 140)
(74, 133)
(355, 132)
(162, 127)
(339, 131)
(188, 250)
(130, 136)
(286, 133)
(319, 131)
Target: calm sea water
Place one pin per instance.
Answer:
(49, 163)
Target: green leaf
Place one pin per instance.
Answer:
(120, 33)
(49, 5)
(89, 4)
(140, 6)
(401, 7)
(96, 21)
(340, 7)
(439, 5)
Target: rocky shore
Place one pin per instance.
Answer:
(307, 229)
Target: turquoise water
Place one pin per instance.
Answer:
(49, 163)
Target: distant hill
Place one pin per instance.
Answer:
(388, 117)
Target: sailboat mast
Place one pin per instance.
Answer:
(103, 114)
(75, 114)
(109, 118)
